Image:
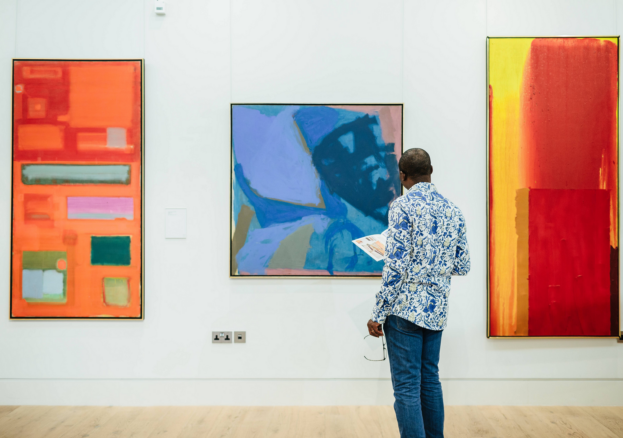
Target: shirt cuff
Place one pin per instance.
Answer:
(379, 316)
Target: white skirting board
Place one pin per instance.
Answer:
(300, 392)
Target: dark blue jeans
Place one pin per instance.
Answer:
(414, 359)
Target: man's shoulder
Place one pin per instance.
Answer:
(456, 211)
(450, 203)
(425, 200)
(413, 196)
(447, 205)
(408, 200)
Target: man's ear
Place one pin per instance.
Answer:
(431, 169)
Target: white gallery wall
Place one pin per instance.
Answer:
(304, 337)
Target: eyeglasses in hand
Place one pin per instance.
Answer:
(384, 350)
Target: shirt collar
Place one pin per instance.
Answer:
(423, 187)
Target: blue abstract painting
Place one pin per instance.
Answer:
(306, 181)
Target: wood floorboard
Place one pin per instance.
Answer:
(75, 416)
(21, 420)
(501, 424)
(301, 422)
(6, 410)
(252, 424)
(227, 421)
(562, 422)
(533, 424)
(310, 422)
(202, 423)
(49, 422)
(609, 418)
(89, 422)
(144, 422)
(171, 422)
(583, 420)
(122, 418)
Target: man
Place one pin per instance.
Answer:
(426, 244)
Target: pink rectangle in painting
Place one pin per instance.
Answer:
(100, 208)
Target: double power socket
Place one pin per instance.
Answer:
(228, 338)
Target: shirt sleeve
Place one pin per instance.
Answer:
(462, 262)
(398, 250)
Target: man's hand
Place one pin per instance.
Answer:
(375, 329)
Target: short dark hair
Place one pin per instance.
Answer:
(415, 162)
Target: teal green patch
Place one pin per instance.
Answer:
(110, 250)
(45, 261)
(53, 174)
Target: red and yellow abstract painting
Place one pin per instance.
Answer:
(553, 187)
(77, 189)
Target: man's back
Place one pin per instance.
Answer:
(426, 244)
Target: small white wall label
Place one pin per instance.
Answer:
(175, 223)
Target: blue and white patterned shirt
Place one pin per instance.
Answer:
(426, 245)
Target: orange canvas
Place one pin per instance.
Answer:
(77, 245)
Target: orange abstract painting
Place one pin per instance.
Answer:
(77, 208)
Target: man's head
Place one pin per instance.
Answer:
(415, 167)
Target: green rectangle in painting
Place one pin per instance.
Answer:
(110, 250)
(43, 259)
(116, 291)
(56, 174)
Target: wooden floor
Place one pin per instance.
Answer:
(299, 422)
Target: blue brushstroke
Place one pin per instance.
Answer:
(364, 222)
(331, 245)
(267, 110)
(335, 251)
(262, 243)
(276, 163)
(238, 198)
(315, 122)
(376, 129)
(270, 212)
(347, 116)
(348, 141)
(360, 174)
